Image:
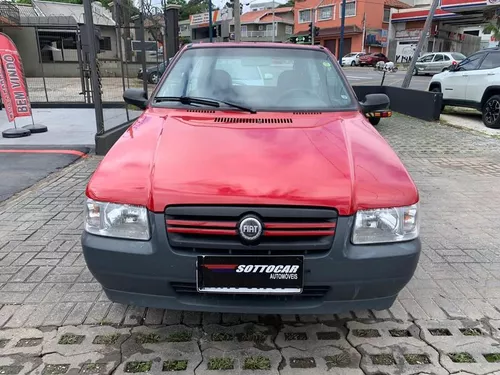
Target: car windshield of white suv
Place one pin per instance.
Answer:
(350, 55)
(257, 78)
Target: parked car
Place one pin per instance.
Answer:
(438, 62)
(352, 59)
(372, 59)
(154, 72)
(252, 198)
(473, 83)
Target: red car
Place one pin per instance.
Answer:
(270, 197)
(372, 59)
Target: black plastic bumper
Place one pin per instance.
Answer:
(145, 273)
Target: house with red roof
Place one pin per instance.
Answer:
(257, 26)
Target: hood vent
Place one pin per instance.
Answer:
(201, 110)
(233, 120)
(307, 113)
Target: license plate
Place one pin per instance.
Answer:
(250, 275)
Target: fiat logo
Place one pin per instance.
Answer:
(250, 228)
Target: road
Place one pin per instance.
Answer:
(368, 76)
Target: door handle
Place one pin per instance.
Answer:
(491, 74)
(465, 75)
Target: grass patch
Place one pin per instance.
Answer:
(182, 336)
(461, 357)
(150, 338)
(55, 369)
(71, 339)
(220, 363)
(365, 333)
(328, 335)
(295, 336)
(383, 359)
(93, 368)
(25, 343)
(221, 336)
(492, 357)
(252, 335)
(338, 360)
(258, 362)
(417, 359)
(138, 366)
(107, 339)
(306, 362)
(175, 365)
(10, 370)
(400, 333)
(471, 331)
(439, 332)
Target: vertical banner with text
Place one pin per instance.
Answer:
(12, 83)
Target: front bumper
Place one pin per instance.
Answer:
(152, 274)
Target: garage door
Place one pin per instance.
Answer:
(331, 45)
(347, 46)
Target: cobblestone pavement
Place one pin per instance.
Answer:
(451, 309)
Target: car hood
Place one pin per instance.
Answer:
(171, 157)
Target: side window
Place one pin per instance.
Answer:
(446, 58)
(438, 58)
(472, 62)
(491, 61)
(427, 58)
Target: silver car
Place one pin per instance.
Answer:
(436, 62)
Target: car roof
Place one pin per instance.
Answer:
(253, 44)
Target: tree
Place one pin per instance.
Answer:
(289, 3)
(230, 4)
(494, 29)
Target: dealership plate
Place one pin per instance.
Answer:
(250, 275)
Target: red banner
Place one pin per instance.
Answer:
(12, 84)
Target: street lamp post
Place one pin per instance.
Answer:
(342, 26)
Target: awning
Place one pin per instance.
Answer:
(333, 31)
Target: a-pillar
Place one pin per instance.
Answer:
(172, 18)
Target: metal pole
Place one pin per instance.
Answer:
(342, 26)
(119, 46)
(423, 37)
(273, 22)
(143, 48)
(313, 13)
(364, 33)
(96, 90)
(237, 21)
(210, 22)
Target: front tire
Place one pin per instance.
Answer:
(491, 112)
(374, 120)
(353, 63)
(153, 78)
(415, 72)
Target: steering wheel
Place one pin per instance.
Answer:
(292, 91)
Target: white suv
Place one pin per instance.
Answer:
(473, 83)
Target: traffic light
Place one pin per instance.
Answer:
(310, 28)
(316, 31)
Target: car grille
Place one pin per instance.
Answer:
(310, 292)
(286, 230)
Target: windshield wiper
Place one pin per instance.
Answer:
(203, 101)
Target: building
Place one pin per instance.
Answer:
(456, 27)
(366, 23)
(258, 26)
(199, 25)
(46, 35)
(255, 7)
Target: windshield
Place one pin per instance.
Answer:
(350, 55)
(458, 56)
(263, 79)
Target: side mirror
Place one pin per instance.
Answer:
(375, 102)
(136, 97)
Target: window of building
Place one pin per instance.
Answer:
(350, 8)
(305, 16)
(105, 43)
(325, 13)
(387, 14)
(289, 30)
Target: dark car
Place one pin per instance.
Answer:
(154, 72)
(225, 196)
(372, 59)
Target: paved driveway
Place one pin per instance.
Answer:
(446, 320)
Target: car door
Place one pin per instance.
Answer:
(486, 75)
(454, 85)
(438, 63)
(423, 64)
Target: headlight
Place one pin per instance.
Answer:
(116, 220)
(386, 225)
